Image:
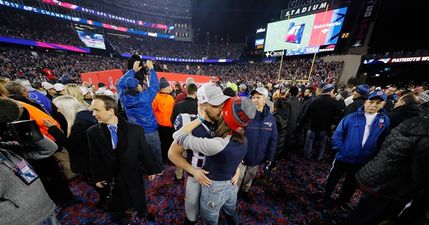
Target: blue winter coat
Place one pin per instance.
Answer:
(41, 99)
(261, 134)
(244, 94)
(138, 107)
(347, 138)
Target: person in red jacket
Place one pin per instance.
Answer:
(182, 95)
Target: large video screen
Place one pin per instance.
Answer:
(307, 34)
(92, 40)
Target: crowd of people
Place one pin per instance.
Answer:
(67, 67)
(295, 69)
(176, 49)
(39, 65)
(168, 8)
(222, 136)
(27, 25)
(118, 9)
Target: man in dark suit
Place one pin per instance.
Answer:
(119, 156)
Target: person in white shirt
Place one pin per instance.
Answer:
(357, 140)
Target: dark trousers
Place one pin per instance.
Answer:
(166, 138)
(372, 210)
(350, 184)
(53, 180)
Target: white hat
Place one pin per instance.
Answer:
(25, 83)
(59, 87)
(84, 90)
(106, 92)
(212, 94)
(100, 91)
(242, 87)
(260, 90)
(47, 85)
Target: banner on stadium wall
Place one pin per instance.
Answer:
(110, 77)
(181, 77)
(423, 59)
(172, 59)
(42, 44)
(107, 15)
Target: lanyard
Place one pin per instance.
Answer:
(6, 161)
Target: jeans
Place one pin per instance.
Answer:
(154, 143)
(192, 198)
(220, 195)
(322, 137)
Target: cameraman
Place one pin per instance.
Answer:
(137, 102)
(23, 197)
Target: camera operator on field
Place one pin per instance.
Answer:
(23, 197)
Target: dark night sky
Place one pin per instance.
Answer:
(236, 17)
(399, 24)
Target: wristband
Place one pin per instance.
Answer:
(200, 118)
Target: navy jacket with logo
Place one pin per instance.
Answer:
(261, 134)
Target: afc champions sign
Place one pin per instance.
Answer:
(301, 7)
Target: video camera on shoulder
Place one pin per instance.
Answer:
(143, 72)
(21, 131)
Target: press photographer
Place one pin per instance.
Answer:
(23, 197)
(14, 136)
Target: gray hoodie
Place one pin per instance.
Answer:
(21, 203)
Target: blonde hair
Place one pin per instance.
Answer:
(69, 106)
(3, 90)
(74, 90)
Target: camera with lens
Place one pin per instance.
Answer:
(22, 131)
(140, 75)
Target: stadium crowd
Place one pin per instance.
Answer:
(277, 120)
(295, 69)
(68, 66)
(27, 25)
(36, 65)
(169, 48)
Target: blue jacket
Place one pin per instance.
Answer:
(347, 138)
(244, 94)
(138, 107)
(261, 134)
(41, 99)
